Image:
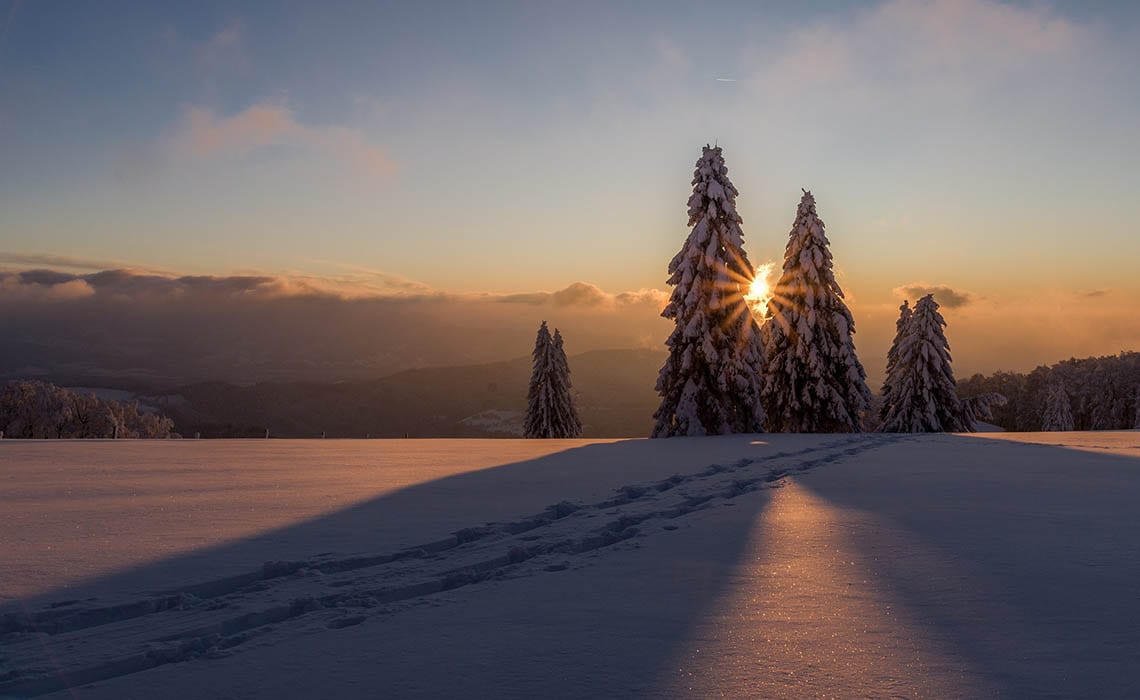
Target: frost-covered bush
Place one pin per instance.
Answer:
(34, 409)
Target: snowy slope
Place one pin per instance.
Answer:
(768, 566)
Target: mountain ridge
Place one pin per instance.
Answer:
(615, 390)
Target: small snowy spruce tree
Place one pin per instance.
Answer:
(892, 359)
(550, 411)
(710, 383)
(564, 411)
(924, 395)
(1058, 414)
(538, 419)
(813, 381)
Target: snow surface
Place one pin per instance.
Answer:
(993, 565)
(74, 510)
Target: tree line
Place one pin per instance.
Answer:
(33, 409)
(1094, 393)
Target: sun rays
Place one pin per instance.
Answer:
(760, 290)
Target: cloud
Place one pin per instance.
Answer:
(1095, 293)
(586, 295)
(351, 147)
(224, 51)
(954, 34)
(68, 262)
(202, 63)
(655, 298)
(42, 285)
(140, 286)
(946, 296)
(204, 134)
(580, 294)
(137, 286)
(901, 54)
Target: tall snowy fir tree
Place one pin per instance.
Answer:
(892, 359)
(924, 394)
(551, 410)
(1058, 414)
(813, 381)
(564, 410)
(710, 383)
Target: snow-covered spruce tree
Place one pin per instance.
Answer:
(538, 418)
(1058, 414)
(564, 411)
(710, 383)
(550, 412)
(813, 381)
(892, 359)
(981, 408)
(924, 395)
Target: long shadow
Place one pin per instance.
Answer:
(1026, 557)
(425, 519)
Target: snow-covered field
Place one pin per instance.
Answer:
(997, 565)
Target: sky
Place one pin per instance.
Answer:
(982, 149)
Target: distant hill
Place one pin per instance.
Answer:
(615, 395)
(147, 333)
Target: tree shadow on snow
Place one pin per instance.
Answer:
(1023, 558)
(500, 660)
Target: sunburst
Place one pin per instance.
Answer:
(760, 289)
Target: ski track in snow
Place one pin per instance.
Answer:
(91, 642)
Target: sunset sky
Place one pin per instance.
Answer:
(986, 148)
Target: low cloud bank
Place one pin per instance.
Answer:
(128, 326)
(137, 286)
(123, 327)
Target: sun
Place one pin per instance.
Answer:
(759, 290)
